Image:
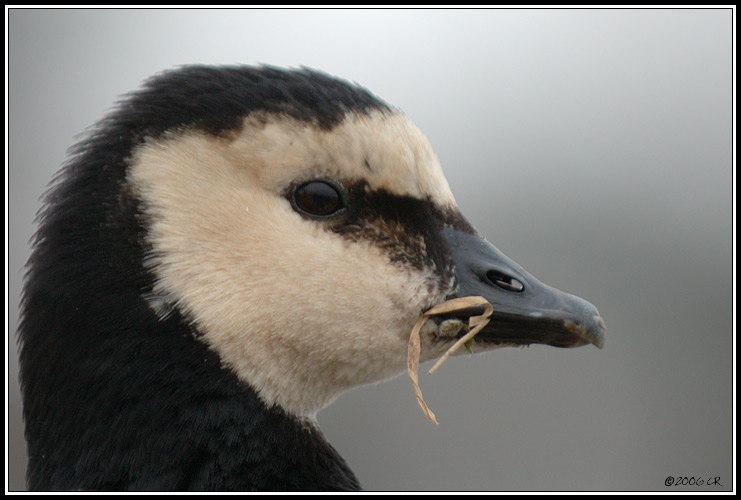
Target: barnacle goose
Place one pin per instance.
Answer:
(226, 253)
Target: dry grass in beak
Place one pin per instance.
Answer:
(476, 323)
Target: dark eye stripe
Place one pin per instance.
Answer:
(318, 198)
(407, 229)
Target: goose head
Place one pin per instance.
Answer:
(252, 235)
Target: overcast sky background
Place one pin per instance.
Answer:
(594, 147)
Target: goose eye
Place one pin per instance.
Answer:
(318, 198)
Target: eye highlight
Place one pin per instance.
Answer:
(318, 199)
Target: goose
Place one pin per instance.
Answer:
(224, 254)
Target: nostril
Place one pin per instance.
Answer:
(505, 282)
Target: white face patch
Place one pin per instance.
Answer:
(297, 312)
(385, 150)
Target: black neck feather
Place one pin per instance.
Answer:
(116, 398)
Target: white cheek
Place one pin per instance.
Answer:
(297, 312)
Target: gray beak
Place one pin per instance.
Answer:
(526, 311)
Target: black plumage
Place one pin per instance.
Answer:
(125, 389)
(115, 398)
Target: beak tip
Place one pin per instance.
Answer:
(599, 332)
(600, 343)
(592, 331)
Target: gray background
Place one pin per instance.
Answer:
(592, 146)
